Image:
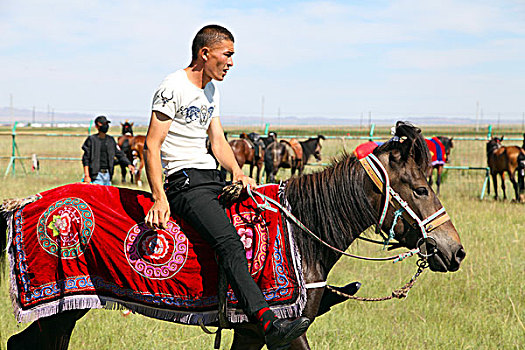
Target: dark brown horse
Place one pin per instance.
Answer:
(503, 159)
(438, 166)
(337, 204)
(133, 147)
(284, 154)
(246, 153)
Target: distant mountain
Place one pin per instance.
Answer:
(8, 116)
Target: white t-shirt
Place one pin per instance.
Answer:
(191, 109)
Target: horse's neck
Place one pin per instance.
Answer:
(337, 217)
(308, 148)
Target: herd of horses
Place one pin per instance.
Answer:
(267, 151)
(251, 149)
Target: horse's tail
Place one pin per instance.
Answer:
(3, 244)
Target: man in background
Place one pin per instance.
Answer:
(100, 151)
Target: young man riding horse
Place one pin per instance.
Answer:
(185, 110)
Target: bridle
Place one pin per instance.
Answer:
(379, 176)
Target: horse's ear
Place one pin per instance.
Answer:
(321, 137)
(395, 157)
(132, 123)
(502, 137)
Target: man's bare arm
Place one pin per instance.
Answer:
(158, 128)
(224, 154)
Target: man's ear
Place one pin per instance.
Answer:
(204, 53)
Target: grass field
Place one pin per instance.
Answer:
(481, 306)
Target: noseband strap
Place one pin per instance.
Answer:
(379, 176)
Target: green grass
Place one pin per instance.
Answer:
(481, 306)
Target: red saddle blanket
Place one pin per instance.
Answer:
(437, 151)
(86, 246)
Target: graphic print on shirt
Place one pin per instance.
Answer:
(192, 113)
(165, 99)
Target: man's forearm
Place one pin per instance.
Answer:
(226, 158)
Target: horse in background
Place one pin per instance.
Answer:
(293, 155)
(124, 143)
(440, 147)
(311, 147)
(133, 147)
(248, 151)
(501, 159)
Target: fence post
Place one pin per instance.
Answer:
(371, 135)
(90, 125)
(13, 151)
(266, 129)
(489, 133)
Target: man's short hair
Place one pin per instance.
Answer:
(208, 36)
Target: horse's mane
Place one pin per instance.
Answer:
(333, 202)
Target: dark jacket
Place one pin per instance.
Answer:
(91, 157)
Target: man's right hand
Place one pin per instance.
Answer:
(86, 179)
(158, 215)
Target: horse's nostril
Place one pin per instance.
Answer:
(460, 255)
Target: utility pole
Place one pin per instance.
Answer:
(369, 118)
(33, 119)
(523, 122)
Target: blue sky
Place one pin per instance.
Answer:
(307, 58)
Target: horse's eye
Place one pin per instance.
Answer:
(421, 191)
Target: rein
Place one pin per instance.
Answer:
(379, 177)
(265, 206)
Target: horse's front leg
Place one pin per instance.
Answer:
(123, 172)
(503, 186)
(300, 343)
(258, 177)
(495, 184)
(247, 336)
(139, 171)
(438, 180)
(48, 333)
(515, 185)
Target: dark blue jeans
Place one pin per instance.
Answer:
(193, 195)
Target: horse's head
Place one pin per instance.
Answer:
(127, 128)
(318, 147)
(493, 144)
(273, 156)
(448, 144)
(417, 217)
